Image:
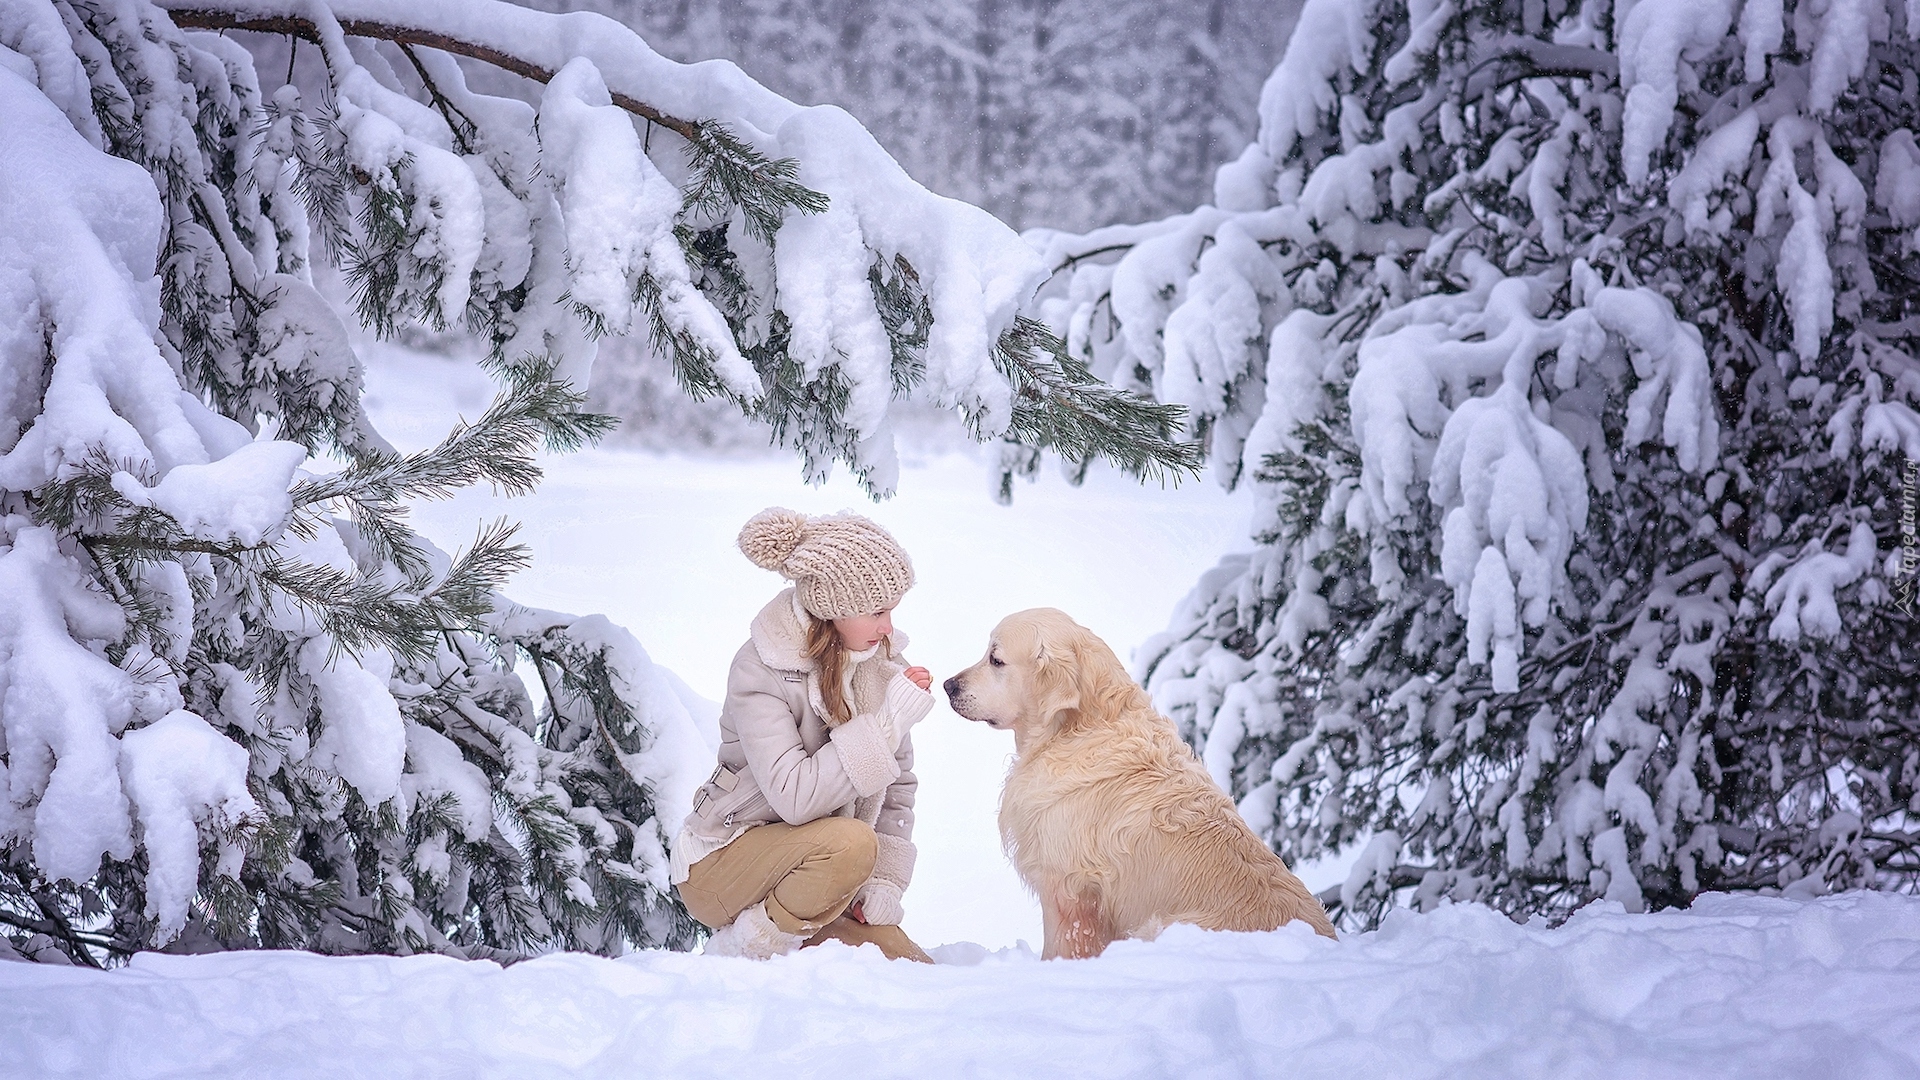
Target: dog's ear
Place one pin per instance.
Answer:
(1056, 682)
(1077, 675)
(1103, 686)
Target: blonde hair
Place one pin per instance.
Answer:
(829, 656)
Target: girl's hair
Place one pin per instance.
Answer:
(829, 656)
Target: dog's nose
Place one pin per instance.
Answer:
(951, 686)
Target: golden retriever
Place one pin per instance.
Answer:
(1107, 815)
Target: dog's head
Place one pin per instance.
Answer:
(1043, 673)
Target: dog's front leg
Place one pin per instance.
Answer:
(1073, 926)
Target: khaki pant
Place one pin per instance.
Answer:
(806, 874)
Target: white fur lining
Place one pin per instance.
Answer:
(866, 754)
(779, 635)
(895, 861)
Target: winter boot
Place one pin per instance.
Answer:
(752, 934)
(892, 940)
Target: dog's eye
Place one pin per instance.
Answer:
(996, 661)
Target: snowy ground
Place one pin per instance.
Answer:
(1737, 987)
(648, 541)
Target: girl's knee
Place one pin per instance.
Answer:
(708, 910)
(850, 840)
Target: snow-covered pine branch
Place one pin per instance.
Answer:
(242, 701)
(1571, 350)
(778, 327)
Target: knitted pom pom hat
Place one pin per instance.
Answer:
(842, 564)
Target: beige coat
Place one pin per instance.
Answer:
(782, 760)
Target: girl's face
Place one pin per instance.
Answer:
(862, 632)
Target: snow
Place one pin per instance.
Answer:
(1896, 187)
(1511, 485)
(362, 738)
(1806, 277)
(83, 229)
(684, 734)
(1489, 612)
(1242, 184)
(1803, 595)
(1545, 177)
(438, 768)
(1448, 355)
(1735, 987)
(1720, 157)
(181, 774)
(1804, 273)
(82, 238)
(1330, 35)
(1512, 479)
(1889, 424)
(620, 212)
(301, 332)
(1655, 40)
(1211, 336)
(1296, 379)
(61, 706)
(1840, 51)
(37, 42)
(1376, 861)
(241, 498)
(1762, 29)
(1426, 19)
(1670, 361)
(835, 322)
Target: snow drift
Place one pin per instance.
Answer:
(1736, 987)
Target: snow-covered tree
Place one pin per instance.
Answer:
(1069, 112)
(240, 700)
(1570, 346)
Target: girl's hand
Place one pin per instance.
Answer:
(920, 677)
(858, 915)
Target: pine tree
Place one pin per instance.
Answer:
(243, 703)
(1570, 349)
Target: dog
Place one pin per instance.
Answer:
(1107, 815)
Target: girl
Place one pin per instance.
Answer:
(805, 830)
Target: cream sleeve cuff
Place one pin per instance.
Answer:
(906, 704)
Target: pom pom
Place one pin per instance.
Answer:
(770, 536)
